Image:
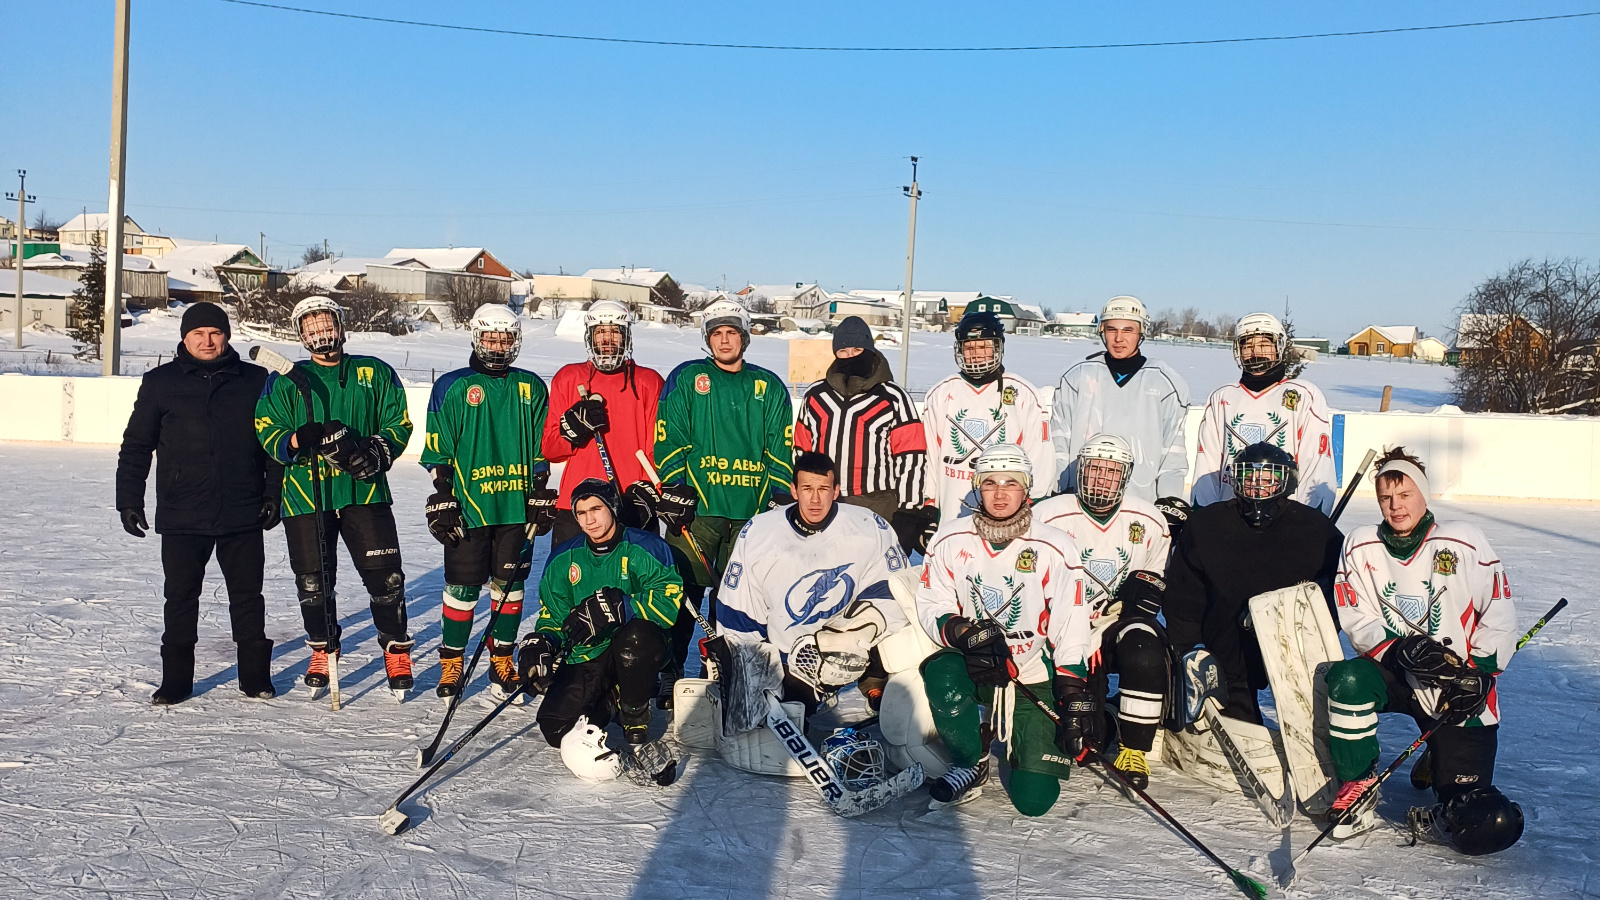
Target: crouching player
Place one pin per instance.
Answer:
(1428, 608)
(1004, 594)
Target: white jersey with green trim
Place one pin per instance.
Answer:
(1135, 538)
(961, 419)
(1291, 415)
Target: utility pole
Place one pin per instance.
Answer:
(111, 341)
(261, 236)
(23, 198)
(325, 253)
(913, 192)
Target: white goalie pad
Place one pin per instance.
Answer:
(759, 751)
(906, 720)
(836, 654)
(905, 650)
(696, 713)
(1195, 752)
(1298, 643)
(756, 669)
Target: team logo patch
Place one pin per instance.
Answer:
(1026, 560)
(574, 573)
(364, 376)
(1445, 562)
(1135, 532)
(702, 384)
(1009, 396)
(525, 391)
(1291, 400)
(474, 395)
(819, 595)
(624, 568)
(761, 390)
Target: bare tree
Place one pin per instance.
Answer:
(761, 303)
(463, 294)
(671, 295)
(371, 308)
(314, 253)
(86, 320)
(46, 225)
(1528, 338)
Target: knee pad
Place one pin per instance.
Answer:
(1141, 652)
(639, 643)
(906, 720)
(309, 587)
(389, 589)
(1356, 681)
(1033, 794)
(944, 677)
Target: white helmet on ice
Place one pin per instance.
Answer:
(1104, 464)
(325, 337)
(493, 318)
(1126, 309)
(602, 313)
(1002, 459)
(725, 312)
(1259, 324)
(585, 754)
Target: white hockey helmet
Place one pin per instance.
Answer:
(323, 338)
(608, 313)
(585, 754)
(1002, 459)
(1104, 463)
(493, 318)
(1126, 309)
(725, 312)
(1259, 323)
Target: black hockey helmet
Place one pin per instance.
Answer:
(980, 325)
(1482, 821)
(1263, 477)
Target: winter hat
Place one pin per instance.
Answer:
(852, 332)
(600, 489)
(205, 315)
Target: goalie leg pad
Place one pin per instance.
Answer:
(1298, 643)
(754, 669)
(696, 713)
(759, 751)
(1196, 753)
(906, 720)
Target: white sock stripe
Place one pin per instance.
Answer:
(1139, 720)
(1142, 695)
(1353, 735)
(1136, 710)
(454, 603)
(1348, 723)
(1353, 707)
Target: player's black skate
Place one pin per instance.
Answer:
(959, 785)
(1134, 767)
(635, 723)
(669, 681)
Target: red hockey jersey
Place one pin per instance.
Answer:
(631, 395)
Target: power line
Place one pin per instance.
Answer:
(993, 49)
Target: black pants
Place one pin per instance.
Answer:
(1136, 649)
(627, 669)
(183, 562)
(369, 534)
(492, 551)
(565, 528)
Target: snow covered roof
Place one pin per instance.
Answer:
(1472, 326)
(1029, 311)
(1394, 334)
(1075, 319)
(95, 222)
(646, 277)
(449, 259)
(951, 298)
(777, 291)
(38, 284)
(79, 255)
(208, 253)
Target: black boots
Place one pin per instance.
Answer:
(177, 675)
(255, 669)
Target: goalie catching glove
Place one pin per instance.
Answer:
(983, 645)
(836, 654)
(600, 613)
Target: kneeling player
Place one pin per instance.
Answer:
(812, 580)
(607, 598)
(1428, 607)
(1123, 544)
(1004, 594)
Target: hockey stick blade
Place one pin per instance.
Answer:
(393, 821)
(855, 803)
(845, 802)
(271, 359)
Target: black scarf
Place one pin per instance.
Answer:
(806, 529)
(224, 359)
(1122, 369)
(476, 365)
(1258, 383)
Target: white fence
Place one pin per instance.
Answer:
(1468, 456)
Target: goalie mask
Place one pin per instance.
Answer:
(607, 333)
(585, 754)
(855, 757)
(1255, 360)
(1104, 464)
(496, 336)
(975, 328)
(1263, 478)
(320, 323)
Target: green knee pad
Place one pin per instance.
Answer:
(1356, 694)
(953, 699)
(1031, 793)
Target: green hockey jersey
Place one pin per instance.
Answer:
(488, 430)
(640, 566)
(729, 434)
(363, 393)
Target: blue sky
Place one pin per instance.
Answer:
(1224, 177)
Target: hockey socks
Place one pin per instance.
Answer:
(460, 603)
(1356, 694)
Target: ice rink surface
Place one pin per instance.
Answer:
(103, 795)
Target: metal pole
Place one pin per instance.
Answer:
(911, 258)
(22, 229)
(111, 339)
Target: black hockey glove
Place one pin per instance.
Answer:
(915, 527)
(133, 521)
(1082, 730)
(1464, 696)
(584, 420)
(542, 509)
(308, 438)
(983, 645)
(597, 616)
(536, 661)
(371, 458)
(271, 513)
(338, 444)
(1424, 658)
(1140, 594)
(640, 500)
(779, 497)
(444, 510)
(1176, 509)
(717, 657)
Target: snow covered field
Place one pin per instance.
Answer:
(102, 795)
(1350, 384)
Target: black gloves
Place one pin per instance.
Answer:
(1176, 509)
(536, 661)
(444, 510)
(1463, 690)
(1465, 696)
(779, 497)
(673, 505)
(983, 644)
(1081, 732)
(597, 616)
(271, 513)
(133, 521)
(1140, 594)
(308, 437)
(542, 509)
(586, 418)
(338, 444)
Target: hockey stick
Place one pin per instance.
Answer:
(1289, 874)
(277, 362)
(425, 755)
(600, 445)
(1350, 488)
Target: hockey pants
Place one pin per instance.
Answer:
(369, 534)
(715, 537)
(492, 553)
(624, 673)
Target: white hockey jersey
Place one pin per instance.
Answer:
(1453, 589)
(781, 585)
(1033, 586)
(1134, 538)
(1291, 415)
(1149, 412)
(962, 419)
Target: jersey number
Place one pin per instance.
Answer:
(731, 581)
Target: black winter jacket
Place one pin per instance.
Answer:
(211, 473)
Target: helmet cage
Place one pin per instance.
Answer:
(1093, 474)
(856, 758)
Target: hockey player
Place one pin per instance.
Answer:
(483, 448)
(361, 425)
(1266, 406)
(1005, 594)
(1428, 608)
(859, 417)
(1118, 391)
(981, 407)
(614, 397)
(723, 430)
(1122, 545)
(607, 598)
(814, 566)
(1261, 540)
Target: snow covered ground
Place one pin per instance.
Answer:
(1350, 384)
(102, 795)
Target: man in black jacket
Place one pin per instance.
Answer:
(1258, 541)
(216, 489)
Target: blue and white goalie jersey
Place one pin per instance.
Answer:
(781, 585)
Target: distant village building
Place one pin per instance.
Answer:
(1074, 324)
(1481, 333)
(145, 285)
(208, 271)
(635, 287)
(1430, 349)
(86, 229)
(1321, 345)
(800, 299)
(1383, 340)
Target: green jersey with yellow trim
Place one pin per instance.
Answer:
(365, 394)
(488, 429)
(640, 565)
(730, 435)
